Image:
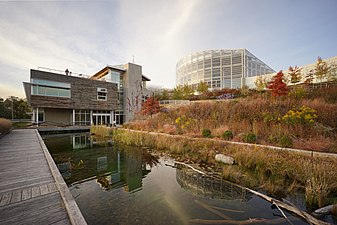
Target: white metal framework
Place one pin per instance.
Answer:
(219, 68)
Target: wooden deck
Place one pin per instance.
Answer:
(32, 191)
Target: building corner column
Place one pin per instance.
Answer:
(73, 122)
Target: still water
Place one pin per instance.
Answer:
(118, 184)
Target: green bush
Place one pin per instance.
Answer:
(227, 135)
(5, 125)
(249, 138)
(273, 139)
(206, 133)
(286, 141)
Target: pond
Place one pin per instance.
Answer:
(118, 184)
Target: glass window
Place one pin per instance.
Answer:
(102, 94)
(52, 91)
(50, 83)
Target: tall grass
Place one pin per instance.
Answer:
(259, 115)
(276, 172)
(102, 131)
(5, 125)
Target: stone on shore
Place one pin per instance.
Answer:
(224, 159)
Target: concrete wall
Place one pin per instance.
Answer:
(133, 92)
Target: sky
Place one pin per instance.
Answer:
(85, 36)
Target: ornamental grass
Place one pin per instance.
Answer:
(5, 125)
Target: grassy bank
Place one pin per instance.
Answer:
(304, 123)
(276, 172)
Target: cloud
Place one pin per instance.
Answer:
(154, 31)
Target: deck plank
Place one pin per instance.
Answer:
(28, 189)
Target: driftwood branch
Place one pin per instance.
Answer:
(196, 170)
(243, 222)
(227, 210)
(290, 208)
(213, 210)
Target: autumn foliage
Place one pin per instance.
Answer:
(277, 85)
(150, 106)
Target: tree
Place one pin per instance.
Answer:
(321, 69)
(260, 83)
(295, 74)
(202, 88)
(165, 94)
(187, 91)
(332, 75)
(177, 93)
(150, 106)
(277, 85)
(309, 78)
(14, 108)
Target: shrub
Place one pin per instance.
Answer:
(249, 138)
(227, 135)
(286, 141)
(305, 115)
(206, 133)
(298, 92)
(5, 125)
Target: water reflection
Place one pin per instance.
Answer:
(116, 184)
(209, 186)
(81, 157)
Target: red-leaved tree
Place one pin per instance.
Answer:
(150, 106)
(277, 85)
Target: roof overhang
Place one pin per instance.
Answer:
(145, 78)
(103, 72)
(27, 88)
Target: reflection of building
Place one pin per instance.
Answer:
(112, 95)
(209, 186)
(219, 68)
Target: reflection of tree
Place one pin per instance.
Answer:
(104, 182)
(149, 159)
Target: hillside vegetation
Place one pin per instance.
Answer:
(304, 119)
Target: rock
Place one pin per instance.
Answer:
(330, 209)
(224, 159)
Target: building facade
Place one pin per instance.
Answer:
(107, 97)
(219, 68)
(305, 69)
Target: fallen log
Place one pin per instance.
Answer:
(227, 210)
(196, 170)
(213, 210)
(290, 208)
(242, 222)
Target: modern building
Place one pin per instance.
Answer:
(250, 81)
(219, 68)
(111, 96)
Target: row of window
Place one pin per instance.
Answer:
(50, 91)
(50, 83)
